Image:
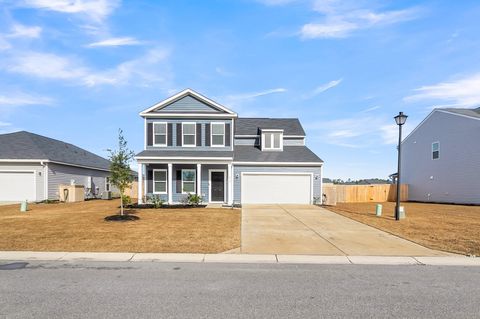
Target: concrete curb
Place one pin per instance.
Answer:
(239, 258)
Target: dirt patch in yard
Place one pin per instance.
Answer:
(453, 228)
(81, 227)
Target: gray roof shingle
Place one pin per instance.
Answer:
(252, 126)
(184, 153)
(467, 112)
(26, 145)
(292, 154)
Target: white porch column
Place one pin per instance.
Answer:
(140, 184)
(230, 184)
(199, 179)
(170, 179)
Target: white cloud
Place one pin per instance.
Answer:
(322, 88)
(22, 31)
(463, 92)
(370, 109)
(361, 131)
(22, 99)
(342, 18)
(141, 71)
(252, 95)
(96, 10)
(223, 72)
(114, 42)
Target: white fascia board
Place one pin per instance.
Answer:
(271, 130)
(185, 93)
(188, 115)
(277, 164)
(182, 158)
(255, 136)
(49, 161)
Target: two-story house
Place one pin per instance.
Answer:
(195, 145)
(441, 157)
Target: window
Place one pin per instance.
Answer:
(160, 134)
(435, 150)
(159, 181)
(218, 134)
(188, 134)
(272, 141)
(188, 181)
(107, 184)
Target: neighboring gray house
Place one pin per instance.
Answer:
(441, 157)
(33, 166)
(195, 145)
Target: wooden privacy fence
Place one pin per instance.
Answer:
(363, 193)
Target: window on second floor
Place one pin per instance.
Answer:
(272, 141)
(435, 150)
(188, 134)
(160, 134)
(218, 134)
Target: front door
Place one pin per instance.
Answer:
(217, 186)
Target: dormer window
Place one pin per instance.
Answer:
(272, 140)
(159, 134)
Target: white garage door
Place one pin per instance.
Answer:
(17, 186)
(276, 188)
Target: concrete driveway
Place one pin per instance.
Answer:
(308, 229)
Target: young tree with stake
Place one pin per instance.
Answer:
(121, 175)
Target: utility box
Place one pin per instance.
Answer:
(71, 193)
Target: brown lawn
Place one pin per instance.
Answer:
(81, 227)
(453, 228)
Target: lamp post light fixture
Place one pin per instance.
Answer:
(400, 119)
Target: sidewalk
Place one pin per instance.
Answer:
(239, 258)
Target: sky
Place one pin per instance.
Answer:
(78, 70)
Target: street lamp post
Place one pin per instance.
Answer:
(400, 119)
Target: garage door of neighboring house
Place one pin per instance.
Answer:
(17, 186)
(276, 188)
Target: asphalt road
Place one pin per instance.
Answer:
(195, 290)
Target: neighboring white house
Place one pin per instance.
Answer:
(441, 157)
(33, 166)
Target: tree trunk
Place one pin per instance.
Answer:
(121, 205)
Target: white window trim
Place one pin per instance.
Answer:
(272, 139)
(436, 159)
(153, 181)
(211, 135)
(194, 134)
(166, 133)
(225, 186)
(194, 180)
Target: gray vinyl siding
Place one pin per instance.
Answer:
(178, 197)
(238, 170)
(188, 104)
(293, 142)
(203, 147)
(246, 141)
(455, 176)
(63, 174)
(38, 171)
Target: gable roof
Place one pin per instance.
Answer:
(252, 126)
(466, 112)
(29, 146)
(188, 102)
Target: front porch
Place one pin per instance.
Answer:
(172, 182)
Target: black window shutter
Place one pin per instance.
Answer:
(207, 134)
(227, 134)
(169, 134)
(149, 134)
(179, 134)
(199, 134)
(179, 181)
(149, 181)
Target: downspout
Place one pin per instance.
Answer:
(45, 179)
